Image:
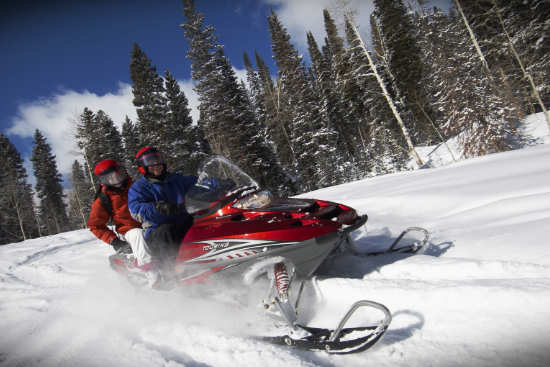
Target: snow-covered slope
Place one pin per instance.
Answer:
(478, 296)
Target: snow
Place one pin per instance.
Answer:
(479, 294)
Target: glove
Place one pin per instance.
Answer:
(168, 208)
(118, 244)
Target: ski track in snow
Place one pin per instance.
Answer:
(477, 295)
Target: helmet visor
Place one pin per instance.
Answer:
(113, 177)
(151, 159)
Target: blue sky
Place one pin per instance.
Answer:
(59, 56)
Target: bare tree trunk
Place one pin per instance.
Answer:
(436, 130)
(526, 74)
(404, 130)
(277, 105)
(19, 215)
(37, 223)
(89, 170)
(474, 40)
(80, 209)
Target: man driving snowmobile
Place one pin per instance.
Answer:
(112, 202)
(156, 200)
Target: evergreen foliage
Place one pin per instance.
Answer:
(231, 126)
(149, 98)
(51, 211)
(405, 70)
(130, 140)
(314, 142)
(81, 196)
(468, 102)
(17, 216)
(98, 139)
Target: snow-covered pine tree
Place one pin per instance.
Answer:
(130, 140)
(255, 90)
(231, 127)
(178, 133)
(526, 26)
(404, 68)
(17, 222)
(313, 141)
(149, 99)
(110, 141)
(347, 96)
(476, 100)
(277, 119)
(437, 57)
(388, 135)
(351, 95)
(466, 97)
(52, 210)
(81, 197)
(87, 140)
(325, 87)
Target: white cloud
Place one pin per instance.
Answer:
(300, 17)
(55, 117)
(186, 87)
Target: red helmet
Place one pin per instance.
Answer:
(110, 173)
(148, 156)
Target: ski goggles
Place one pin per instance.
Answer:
(113, 177)
(151, 159)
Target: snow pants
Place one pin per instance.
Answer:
(164, 241)
(139, 246)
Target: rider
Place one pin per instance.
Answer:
(156, 200)
(112, 201)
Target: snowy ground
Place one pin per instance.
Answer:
(478, 296)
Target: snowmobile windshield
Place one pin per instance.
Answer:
(218, 179)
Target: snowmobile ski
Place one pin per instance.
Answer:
(340, 340)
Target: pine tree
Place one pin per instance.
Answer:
(17, 221)
(178, 132)
(404, 68)
(149, 98)
(81, 197)
(471, 108)
(313, 141)
(332, 106)
(230, 125)
(383, 133)
(52, 211)
(98, 139)
(276, 116)
(110, 141)
(351, 90)
(88, 140)
(130, 140)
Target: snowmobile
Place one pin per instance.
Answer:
(242, 231)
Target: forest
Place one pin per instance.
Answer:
(356, 109)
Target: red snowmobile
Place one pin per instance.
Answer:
(242, 231)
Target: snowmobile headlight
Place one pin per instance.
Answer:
(256, 200)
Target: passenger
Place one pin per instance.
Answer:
(112, 202)
(157, 199)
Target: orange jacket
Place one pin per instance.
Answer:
(121, 215)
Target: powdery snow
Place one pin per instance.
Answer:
(479, 294)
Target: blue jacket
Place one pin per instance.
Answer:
(146, 191)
